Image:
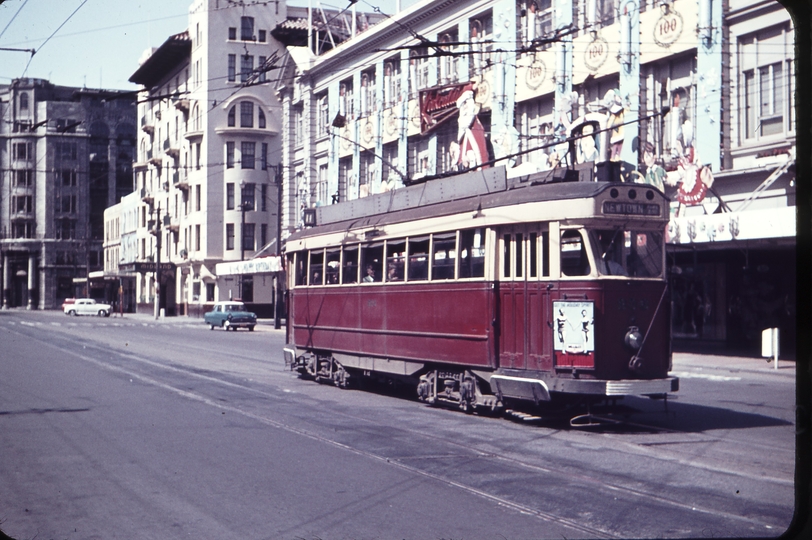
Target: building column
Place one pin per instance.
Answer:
(32, 267)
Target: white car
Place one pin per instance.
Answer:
(87, 306)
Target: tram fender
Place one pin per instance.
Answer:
(520, 388)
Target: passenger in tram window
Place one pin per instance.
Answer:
(392, 274)
(370, 277)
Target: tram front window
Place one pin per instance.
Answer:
(620, 252)
(574, 261)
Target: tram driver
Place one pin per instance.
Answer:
(611, 253)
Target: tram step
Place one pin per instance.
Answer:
(522, 416)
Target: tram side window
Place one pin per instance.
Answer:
(395, 260)
(532, 254)
(316, 267)
(349, 273)
(574, 261)
(538, 250)
(507, 245)
(519, 254)
(372, 263)
(444, 256)
(472, 253)
(301, 268)
(331, 269)
(418, 268)
(513, 249)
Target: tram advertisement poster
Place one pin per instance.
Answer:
(574, 333)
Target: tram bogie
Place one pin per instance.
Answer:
(542, 295)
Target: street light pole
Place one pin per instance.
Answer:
(158, 262)
(277, 308)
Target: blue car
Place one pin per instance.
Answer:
(230, 316)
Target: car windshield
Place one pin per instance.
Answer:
(631, 253)
(234, 307)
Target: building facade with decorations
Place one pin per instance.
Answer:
(206, 164)
(66, 154)
(692, 96)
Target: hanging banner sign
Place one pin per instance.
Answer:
(439, 104)
(261, 265)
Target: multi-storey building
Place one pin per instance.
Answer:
(66, 155)
(206, 164)
(694, 96)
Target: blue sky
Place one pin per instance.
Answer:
(100, 44)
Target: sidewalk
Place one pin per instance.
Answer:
(732, 364)
(147, 318)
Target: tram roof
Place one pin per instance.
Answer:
(468, 192)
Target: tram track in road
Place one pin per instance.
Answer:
(417, 463)
(263, 419)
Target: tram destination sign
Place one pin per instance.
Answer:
(631, 208)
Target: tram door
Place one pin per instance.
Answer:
(524, 298)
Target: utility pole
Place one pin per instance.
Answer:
(157, 232)
(243, 207)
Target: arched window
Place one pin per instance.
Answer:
(246, 114)
(232, 116)
(23, 101)
(261, 119)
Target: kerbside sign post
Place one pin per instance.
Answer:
(769, 345)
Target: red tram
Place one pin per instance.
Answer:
(483, 291)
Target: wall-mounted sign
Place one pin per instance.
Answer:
(596, 53)
(391, 124)
(142, 267)
(668, 28)
(536, 72)
(346, 141)
(414, 116)
(731, 226)
(439, 104)
(482, 94)
(367, 132)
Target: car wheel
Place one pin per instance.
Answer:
(250, 328)
(72, 313)
(212, 326)
(101, 313)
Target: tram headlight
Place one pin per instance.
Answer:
(633, 338)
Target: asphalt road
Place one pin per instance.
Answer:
(135, 428)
